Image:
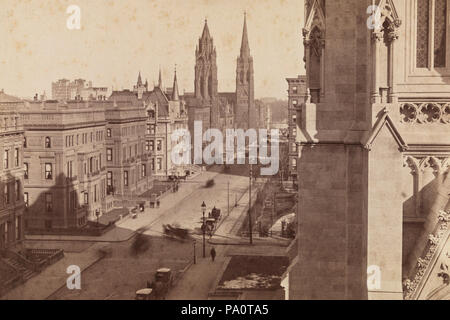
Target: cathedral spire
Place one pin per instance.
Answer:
(139, 81)
(245, 48)
(205, 34)
(160, 79)
(175, 95)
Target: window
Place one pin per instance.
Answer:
(431, 33)
(6, 159)
(159, 164)
(125, 178)
(25, 142)
(152, 145)
(152, 129)
(49, 202)
(153, 164)
(95, 193)
(16, 157)
(18, 228)
(295, 102)
(48, 142)
(295, 89)
(143, 170)
(159, 145)
(48, 171)
(147, 145)
(69, 169)
(18, 190)
(148, 129)
(6, 193)
(109, 154)
(25, 199)
(294, 163)
(109, 179)
(86, 198)
(108, 133)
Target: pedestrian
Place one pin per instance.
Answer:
(213, 253)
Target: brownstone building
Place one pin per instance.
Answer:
(65, 163)
(127, 159)
(12, 203)
(162, 112)
(296, 96)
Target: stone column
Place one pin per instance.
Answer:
(376, 42)
(392, 36)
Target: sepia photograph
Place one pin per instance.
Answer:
(216, 152)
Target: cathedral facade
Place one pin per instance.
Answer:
(216, 109)
(374, 152)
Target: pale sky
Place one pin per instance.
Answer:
(119, 38)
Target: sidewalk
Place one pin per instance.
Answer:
(198, 280)
(126, 228)
(52, 278)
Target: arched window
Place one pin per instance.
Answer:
(48, 142)
(431, 33)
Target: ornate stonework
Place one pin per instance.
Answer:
(439, 164)
(425, 112)
(411, 285)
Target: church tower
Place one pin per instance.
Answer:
(245, 108)
(205, 68)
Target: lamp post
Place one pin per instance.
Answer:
(195, 258)
(203, 227)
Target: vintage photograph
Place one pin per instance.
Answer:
(225, 150)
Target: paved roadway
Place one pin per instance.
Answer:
(183, 208)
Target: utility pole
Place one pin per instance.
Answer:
(228, 199)
(273, 209)
(250, 206)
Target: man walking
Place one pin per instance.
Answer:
(213, 253)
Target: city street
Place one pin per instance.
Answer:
(183, 207)
(121, 274)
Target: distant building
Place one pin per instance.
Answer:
(12, 202)
(79, 89)
(296, 96)
(221, 110)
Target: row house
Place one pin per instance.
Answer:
(164, 113)
(65, 163)
(127, 160)
(12, 204)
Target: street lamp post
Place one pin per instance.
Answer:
(195, 258)
(203, 227)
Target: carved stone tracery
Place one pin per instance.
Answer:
(425, 112)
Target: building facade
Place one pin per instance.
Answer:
(374, 152)
(296, 96)
(222, 110)
(127, 160)
(12, 205)
(65, 163)
(78, 89)
(163, 113)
